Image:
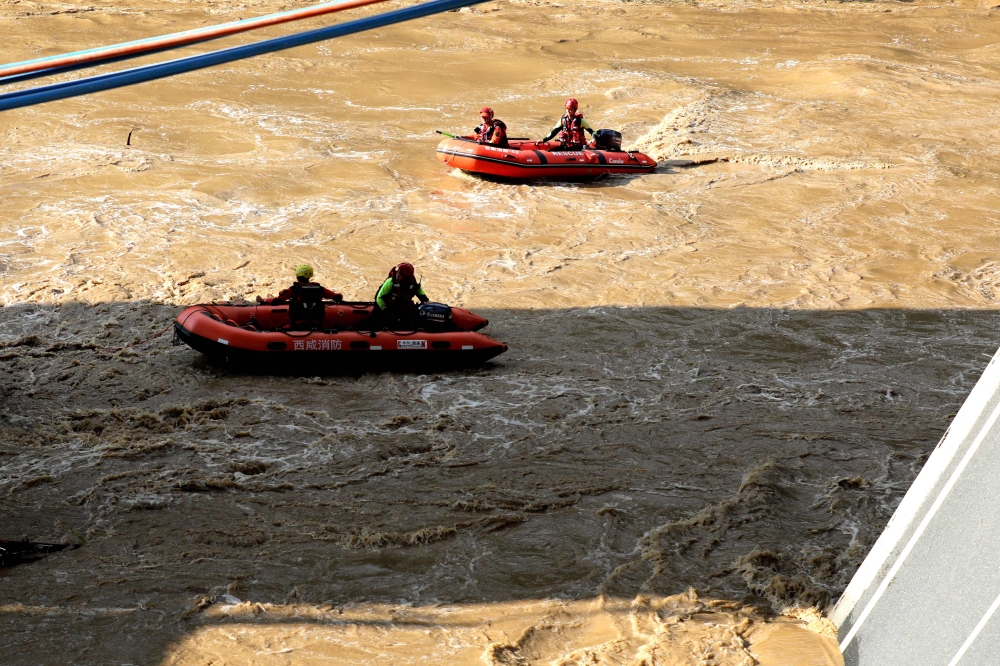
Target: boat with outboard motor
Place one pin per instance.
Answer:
(523, 159)
(253, 336)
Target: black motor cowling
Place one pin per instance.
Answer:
(606, 139)
(434, 316)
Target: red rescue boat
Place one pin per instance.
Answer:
(527, 160)
(249, 336)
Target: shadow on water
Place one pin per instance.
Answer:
(754, 454)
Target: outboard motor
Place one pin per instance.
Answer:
(609, 140)
(434, 316)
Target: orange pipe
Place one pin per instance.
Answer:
(178, 38)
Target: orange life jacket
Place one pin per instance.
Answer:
(572, 130)
(493, 131)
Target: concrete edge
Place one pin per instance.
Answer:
(916, 497)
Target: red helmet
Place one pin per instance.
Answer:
(486, 112)
(404, 270)
(572, 104)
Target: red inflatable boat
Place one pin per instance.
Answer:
(250, 335)
(527, 160)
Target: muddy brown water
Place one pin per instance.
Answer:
(722, 376)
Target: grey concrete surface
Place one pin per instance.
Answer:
(928, 593)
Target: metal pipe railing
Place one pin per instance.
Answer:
(130, 49)
(129, 77)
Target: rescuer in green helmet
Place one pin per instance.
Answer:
(303, 277)
(305, 300)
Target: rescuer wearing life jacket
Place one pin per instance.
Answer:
(304, 299)
(303, 276)
(492, 131)
(571, 128)
(394, 300)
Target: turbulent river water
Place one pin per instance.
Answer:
(722, 376)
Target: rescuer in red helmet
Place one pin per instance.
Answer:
(571, 128)
(492, 131)
(394, 300)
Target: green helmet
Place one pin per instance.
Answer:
(304, 271)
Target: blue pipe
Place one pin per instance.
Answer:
(129, 77)
(140, 42)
